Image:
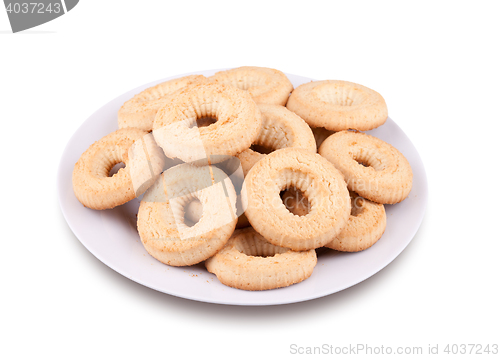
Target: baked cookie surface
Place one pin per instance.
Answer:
(161, 221)
(265, 85)
(96, 189)
(140, 110)
(178, 131)
(249, 262)
(319, 181)
(280, 129)
(365, 227)
(372, 168)
(338, 105)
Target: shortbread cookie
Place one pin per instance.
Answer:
(249, 262)
(364, 228)
(280, 129)
(323, 186)
(237, 123)
(372, 168)
(338, 105)
(143, 159)
(140, 110)
(265, 85)
(161, 223)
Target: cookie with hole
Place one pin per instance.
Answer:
(235, 116)
(338, 105)
(163, 228)
(321, 184)
(372, 168)
(249, 262)
(140, 110)
(93, 185)
(265, 85)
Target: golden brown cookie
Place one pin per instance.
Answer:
(140, 110)
(364, 228)
(372, 168)
(249, 262)
(280, 129)
(161, 222)
(338, 105)
(265, 85)
(236, 116)
(319, 181)
(143, 159)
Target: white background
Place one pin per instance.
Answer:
(436, 64)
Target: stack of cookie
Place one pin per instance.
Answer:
(245, 173)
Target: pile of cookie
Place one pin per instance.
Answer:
(247, 174)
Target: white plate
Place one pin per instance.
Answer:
(112, 237)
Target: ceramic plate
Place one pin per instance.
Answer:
(111, 235)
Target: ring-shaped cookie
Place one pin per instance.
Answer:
(238, 121)
(140, 110)
(265, 85)
(372, 168)
(280, 129)
(161, 222)
(338, 105)
(365, 226)
(143, 159)
(323, 186)
(249, 262)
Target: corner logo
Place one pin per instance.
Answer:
(26, 14)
